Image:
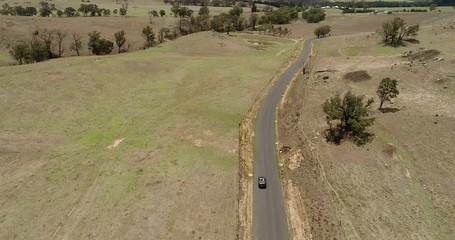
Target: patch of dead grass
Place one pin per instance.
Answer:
(424, 55)
(357, 76)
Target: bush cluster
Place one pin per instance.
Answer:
(314, 15)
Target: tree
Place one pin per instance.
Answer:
(253, 20)
(38, 51)
(106, 12)
(70, 11)
(175, 9)
(149, 36)
(204, 10)
(20, 52)
(120, 39)
(98, 45)
(236, 11)
(163, 33)
(387, 90)
(60, 35)
(76, 45)
(47, 37)
(314, 15)
(59, 13)
(31, 11)
(185, 12)
(123, 11)
(45, 11)
(162, 13)
(6, 9)
(154, 13)
(394, 31)
(351, 115)
(254, 8)
(124, 8)
(432, 7)
(115, 11)
(322, 31)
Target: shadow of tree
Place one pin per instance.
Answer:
(389, 110)
(336, 135)
(413, 41)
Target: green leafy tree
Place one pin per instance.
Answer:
(123, 11)
(59, 13)
(6, 9)
(38, 51)
(351, 117)
(185, 12)
(154, 13)
(387, 90)
(45, 11)
(76, 44)
(282, 15)
(31, 11)
(20, 52)
(314, 15)
(149, 36)
(120, 39)
(98, 45)
(394, 31)
(70, 12)
(115, 11)
(322, 31)
(106, 12)
(162, 13)
(432, 7)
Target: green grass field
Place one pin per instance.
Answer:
(177, 107)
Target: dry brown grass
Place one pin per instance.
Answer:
(400, 185)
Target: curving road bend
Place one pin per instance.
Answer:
(269, 217)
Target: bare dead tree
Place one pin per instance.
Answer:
(60, 37)
(77, 43)
(46, 36)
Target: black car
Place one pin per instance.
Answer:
(262, 183)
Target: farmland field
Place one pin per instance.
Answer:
(171, 111)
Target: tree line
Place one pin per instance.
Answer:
(382, 4)
(39, 48)
(47, 44)
(46, 10)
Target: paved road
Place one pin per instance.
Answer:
(269, 217)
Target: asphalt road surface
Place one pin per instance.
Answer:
(269, 217)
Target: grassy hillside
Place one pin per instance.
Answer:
(174, 111)
(399, 186)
